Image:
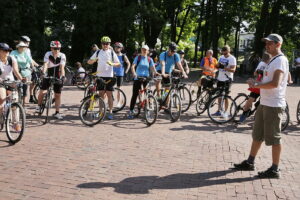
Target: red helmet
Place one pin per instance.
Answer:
(55, 44)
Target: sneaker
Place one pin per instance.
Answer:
(38, 109)
(218, 113)
(119, 105)
(110, 116)
(31, 100)
(243, 117)
(224, 115)
(167, 111)
(269, 173)
(58, 116)
(17, 127)
(244, 166)
(131, 114)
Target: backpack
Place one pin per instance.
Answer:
(112, 54)
(139, 60)
(9, 59)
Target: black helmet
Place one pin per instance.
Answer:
(180, 52)
(25, 38)
(172, 46)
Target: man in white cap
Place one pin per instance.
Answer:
(267, 125)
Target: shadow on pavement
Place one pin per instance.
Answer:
(142, 184)
(8, 144)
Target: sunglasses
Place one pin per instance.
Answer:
(105, 43)
(55, 48)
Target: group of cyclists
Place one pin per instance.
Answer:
(110, 66)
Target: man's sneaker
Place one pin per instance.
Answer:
(243, 117)
(38, 109)
(269, 173)
(224, 115)
(218, 113)
(110, 116)
(58, 116)
(131, 114)
(244, 166)
(119, 105)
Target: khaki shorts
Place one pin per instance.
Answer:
(267, 125)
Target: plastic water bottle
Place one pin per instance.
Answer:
(165, 94)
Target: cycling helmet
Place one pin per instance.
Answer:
(55, 44)
(105, 39)
(25, 38)
(180, 52)
(172, 46)
(118, 44)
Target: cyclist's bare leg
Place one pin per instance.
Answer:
(57, 97)
(158, 87)
(110, 100)
(41, 96)
(31, 89)
(248, 104)
(2, 99)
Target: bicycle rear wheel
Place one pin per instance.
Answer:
(151, 110)
(285, 120)
(15, 122)
(185, 97)
(175, 107)
(92, 110)
(217, 109)
(48, 106)
(36, 91)
(119, 100)
(240, 100)
(194, 90)
(202, 102)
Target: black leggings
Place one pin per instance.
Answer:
(135, 91)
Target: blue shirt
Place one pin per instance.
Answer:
(170, 61)
(119, 71)
(144, 66)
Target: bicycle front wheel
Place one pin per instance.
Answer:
(119, 100)
(48, 106)
(298, 112)
(202, 102)
(285, 120)
(36, 91)
(175, 107)
(185, 97)
(151, 110)
(92, 110)
(217, 109)
(15, 122)
(240, 101)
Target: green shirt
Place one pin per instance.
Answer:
(23, 61)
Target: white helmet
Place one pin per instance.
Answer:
(55, 44)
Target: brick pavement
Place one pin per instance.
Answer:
(123, 159)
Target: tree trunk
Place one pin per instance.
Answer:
(198, 33)
(272, 25)
(214, 27)
(183, 24)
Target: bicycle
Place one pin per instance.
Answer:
(170, 101)
(48, 99)
(90, 112)
(147, 102)
(13, 115)
(241, 99)
(116, 94)
(184, 94)
(217, 103)
(36, 82)
(298, 112)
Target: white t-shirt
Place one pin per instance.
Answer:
(275, 97)
(104, 69)
(227, 62)
(7, 70)
(261, 66)
(52, 62)
(80, 70)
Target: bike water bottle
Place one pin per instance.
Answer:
(165, 94)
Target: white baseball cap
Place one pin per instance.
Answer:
(273, 37)
(21, 44)
(145, 47)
